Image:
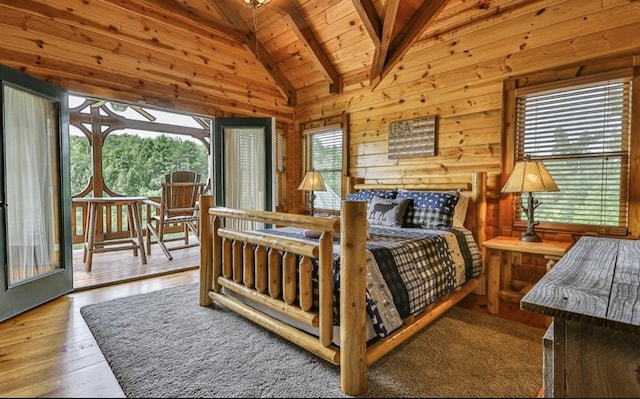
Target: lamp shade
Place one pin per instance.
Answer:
(529, 176)
(312, 182)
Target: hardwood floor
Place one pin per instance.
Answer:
(50, 352)
(508, 310)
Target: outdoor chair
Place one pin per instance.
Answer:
(177, 212)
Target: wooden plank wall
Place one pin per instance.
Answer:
(459, 77)
(456, 72)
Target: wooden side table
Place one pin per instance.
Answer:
(499, 281)
(135, 242)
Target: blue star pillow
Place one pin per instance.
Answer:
(367, 195)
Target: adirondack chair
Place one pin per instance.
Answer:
(178, 206)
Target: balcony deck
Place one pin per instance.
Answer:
(116, 267)
(110, 268)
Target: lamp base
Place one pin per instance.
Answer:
(530, 236)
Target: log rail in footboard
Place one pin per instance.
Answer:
(276, 272)
(264, 268)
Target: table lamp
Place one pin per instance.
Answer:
(530, 176)
(312, 182)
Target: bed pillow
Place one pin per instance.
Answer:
(429, 209)
(387, 211)
(367, 195)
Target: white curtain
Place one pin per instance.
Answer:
(244, 172)
(30, 140)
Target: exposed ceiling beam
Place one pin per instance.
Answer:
(118, 122)
(370, 19)
(319, 57)
(184, 10)
(388, 20)
(410, 33)
(250, 40)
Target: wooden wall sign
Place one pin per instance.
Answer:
(412, 138)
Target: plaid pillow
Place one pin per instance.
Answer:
(429, 209)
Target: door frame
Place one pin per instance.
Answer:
(32, 292)
(217, 131)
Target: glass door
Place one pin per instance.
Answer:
(243, 164)
(35, 241)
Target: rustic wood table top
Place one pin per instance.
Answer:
(597, 281)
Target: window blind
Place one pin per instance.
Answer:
(323, 153)
(582, 136)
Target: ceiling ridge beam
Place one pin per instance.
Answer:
(282, 82)
(318, 55)
(388, 21)
(370, 19)
(409, 34)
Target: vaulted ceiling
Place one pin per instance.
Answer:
(333, 43)
(216, 56)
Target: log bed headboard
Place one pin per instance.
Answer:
(476, 186)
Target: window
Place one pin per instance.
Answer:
(582, 134)
(323, 153)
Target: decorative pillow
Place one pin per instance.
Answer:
(387, 211)
(429, 209)
(312, 233)
(367, 195)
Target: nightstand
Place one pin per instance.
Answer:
(499, 281)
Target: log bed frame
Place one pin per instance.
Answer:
(285, 286)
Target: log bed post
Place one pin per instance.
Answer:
(353, 346)
(479, 199)
(206, 248)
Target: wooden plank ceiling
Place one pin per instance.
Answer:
(332, 43)
(219, 52)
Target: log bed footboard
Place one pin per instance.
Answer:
(276, 272)
(269, 274)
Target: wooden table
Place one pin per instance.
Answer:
(135, 241)
(499, 281)
(592, 348)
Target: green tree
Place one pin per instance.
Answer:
(80, 150)
(134, 165)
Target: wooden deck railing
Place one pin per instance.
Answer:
(115, 226)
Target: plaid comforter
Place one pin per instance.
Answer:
(408, 269)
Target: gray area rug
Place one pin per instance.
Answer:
(163, 344)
